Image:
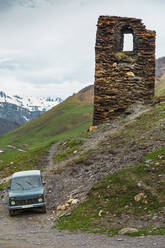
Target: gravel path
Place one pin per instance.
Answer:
(31, 230)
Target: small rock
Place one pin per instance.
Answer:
(75, 201)
(139, 196)
(127, 230)
(72, 201)
(149, 161)
(61, 207)
(65, 215)
(100, 212)
(68, 214)
(154, 217)
(130, 74)
(139, 184)
(20, 150)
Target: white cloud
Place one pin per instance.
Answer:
(64, 89)
(48, 45)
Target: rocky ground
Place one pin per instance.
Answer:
(34, 230)
(72, 179)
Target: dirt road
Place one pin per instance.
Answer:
(30, 230)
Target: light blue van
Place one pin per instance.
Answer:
(26, 191)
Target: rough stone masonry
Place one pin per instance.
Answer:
(122, 78)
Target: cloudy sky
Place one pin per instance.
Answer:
(47, 46)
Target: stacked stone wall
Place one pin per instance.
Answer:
(122, 78)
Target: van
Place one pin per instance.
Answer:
(26, 191)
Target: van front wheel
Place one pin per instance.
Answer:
(11, 212)
(43, 209)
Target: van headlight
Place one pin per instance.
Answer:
(12, 202)
(40, 199)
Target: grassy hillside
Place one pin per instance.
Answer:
(70, 118)
(7, 126)
(129, 195)
(132, 197)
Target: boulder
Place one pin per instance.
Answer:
(127, 230)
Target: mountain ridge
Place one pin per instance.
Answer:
(31, 103)
(22, 109)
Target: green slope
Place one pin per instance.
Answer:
(70, 118)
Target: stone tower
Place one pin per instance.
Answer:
(122, 78)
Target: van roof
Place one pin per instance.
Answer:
(26, 173)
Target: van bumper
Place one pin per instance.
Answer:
(36, 205)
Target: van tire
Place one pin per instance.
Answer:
(43, 209)
(11, 212)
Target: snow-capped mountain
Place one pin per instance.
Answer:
(22, 109)
(31, 103)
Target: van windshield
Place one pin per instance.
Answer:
(25, 183)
